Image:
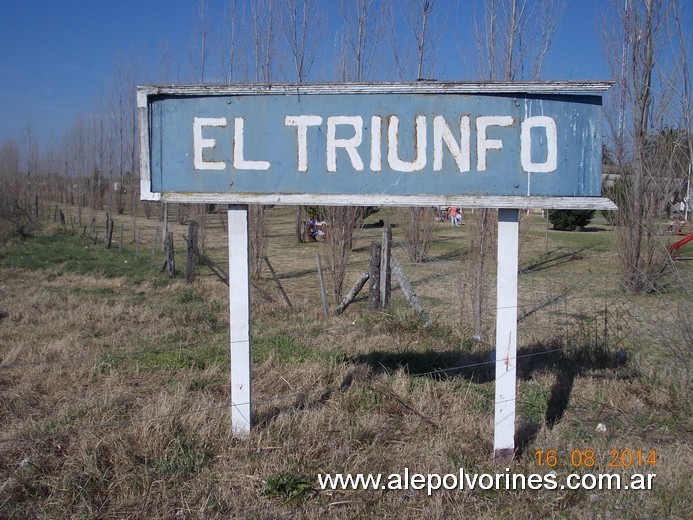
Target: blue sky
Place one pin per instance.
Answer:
(57, 57)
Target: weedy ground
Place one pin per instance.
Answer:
(114, 382)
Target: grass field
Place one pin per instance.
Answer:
(114, 381)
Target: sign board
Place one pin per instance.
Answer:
(499, 145)
(379, 144)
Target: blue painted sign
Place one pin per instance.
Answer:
(239, 146)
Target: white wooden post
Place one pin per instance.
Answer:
(239, 319)
(506, 333)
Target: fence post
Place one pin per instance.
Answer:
(374, 278)
(169, 258)
(408, 291)
(279, 284)
(108, 237)
(385, 269)
(164, 233)
(190, 259)
(108, 225)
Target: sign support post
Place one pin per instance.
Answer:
(239, 319)
(506, 334)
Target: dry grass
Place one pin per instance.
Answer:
(114, 384)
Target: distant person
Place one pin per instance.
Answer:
(670, 226)
(313, 230)
(454, 216)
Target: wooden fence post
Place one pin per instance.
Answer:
(385, 269)
(408, 290)
(108, 237)
(164, 233)
(374, 278)
(169, 258)
(352, 294)
(279, 284)
(190, 258)
(108, 225)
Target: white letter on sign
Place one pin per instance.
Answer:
(483, 144)
(442, 133)
(200, 142)
(393, 159)
(302, 123)
(238, 161)
(376, 154)
(349, 144)
(549, 126)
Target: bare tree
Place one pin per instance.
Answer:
(417, 227)
(16, 215)
(264, 25)
(30, 150)
(199, 52)
(122, 113)
(421, 16)
(651, 169)
(512, 39)
(418, 224)
(362, 33)
(229, 50)
(343, 223)
(303, 29)
(686, 106)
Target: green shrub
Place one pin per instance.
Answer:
(570, 219)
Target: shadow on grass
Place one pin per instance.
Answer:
(566, 362)
(550, 261)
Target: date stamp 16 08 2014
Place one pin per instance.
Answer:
(588, 458)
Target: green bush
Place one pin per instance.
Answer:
(570, 219)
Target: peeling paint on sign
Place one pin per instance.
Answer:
(360, 143)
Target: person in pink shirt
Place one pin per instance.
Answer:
(454, 216)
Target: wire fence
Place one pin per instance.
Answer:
(599, 326)
(266, 400)
(452, 370)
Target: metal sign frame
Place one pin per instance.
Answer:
(194, 146)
